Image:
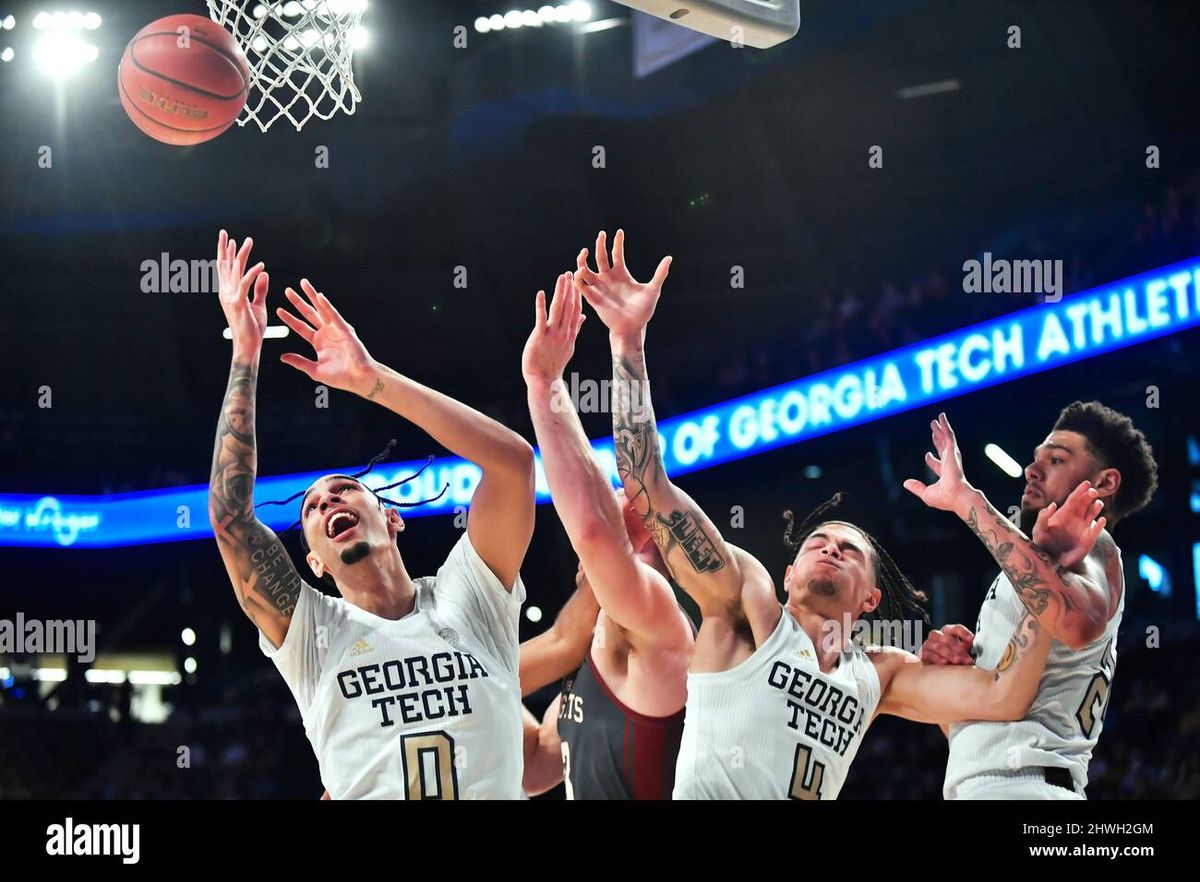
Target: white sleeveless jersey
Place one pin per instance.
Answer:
(775, 726)
(423, 707)
(1064, 722)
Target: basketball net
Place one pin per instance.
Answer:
(299, 53)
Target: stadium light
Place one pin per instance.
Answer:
(188, 637)
(1003, 461)
(533, 613)
(189, 665)
(8, 23)
(577, 11)
(61, 53)
(1155, 575)
(6, 54)
(273, 332)
(62, 21)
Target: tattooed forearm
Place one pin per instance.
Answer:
(375, 390)
(263, 576)
(1041, 583)
(639, 465)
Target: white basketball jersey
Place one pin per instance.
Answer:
(423, 707)
(775, 726)
(1064, 722)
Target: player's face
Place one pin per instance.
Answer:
(834, 571)
(1059, 464)
(343, 523)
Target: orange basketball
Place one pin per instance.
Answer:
(183, 79)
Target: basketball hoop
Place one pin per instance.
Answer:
(300, 54)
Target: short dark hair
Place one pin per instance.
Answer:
(1115, 442)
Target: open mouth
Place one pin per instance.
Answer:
(340, 522)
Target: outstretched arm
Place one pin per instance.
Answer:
(633, 595)
(264, 579)
(1073, 606)
(701, 562)
(500, 521)
(952, 693)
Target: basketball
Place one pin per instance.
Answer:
(183, 79)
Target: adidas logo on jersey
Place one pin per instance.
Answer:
(362, 647)
(804, 653)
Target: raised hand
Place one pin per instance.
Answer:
(342, 360)
(1069, 533)
(552, 341)
(951, 485)
(624, 304)
(246, 315)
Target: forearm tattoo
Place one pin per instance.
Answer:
(265, 577)
(1027, 566)
(639, 464)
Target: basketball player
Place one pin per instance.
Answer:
(407, 687)
(1069, 577)
(779, 696)
(617, 723)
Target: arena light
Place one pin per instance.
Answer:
(514, 19)
(65, 21)
(8, 23)
(7, 54)
(1003, 461)
(61, 53)
(188, 637)
(1154, 574)
(1036, 339)
(273, 332)
(1196, 575)
(605, 24)
(533, 613)
(189, 665)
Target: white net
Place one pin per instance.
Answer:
(300, 54)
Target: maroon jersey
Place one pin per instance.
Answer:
(610, 751)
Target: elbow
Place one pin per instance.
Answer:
(519, 458)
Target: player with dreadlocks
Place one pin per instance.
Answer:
(779, 695)
(408, 687)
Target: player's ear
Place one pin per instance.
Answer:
(874, 596)
(394, 521)
(315, 564)
(787, 576)
(1106, 483)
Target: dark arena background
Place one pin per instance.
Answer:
(822, 200)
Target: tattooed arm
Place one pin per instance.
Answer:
(952, 693)
(1072, 605)
(265, 581)
(723, 580)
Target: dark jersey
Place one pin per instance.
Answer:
(610, 751)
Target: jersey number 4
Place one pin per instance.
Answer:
(807, 775)
(429, 766)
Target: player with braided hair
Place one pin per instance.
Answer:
(779, 694)
(408, 687)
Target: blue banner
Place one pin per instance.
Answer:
(1035, 339)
